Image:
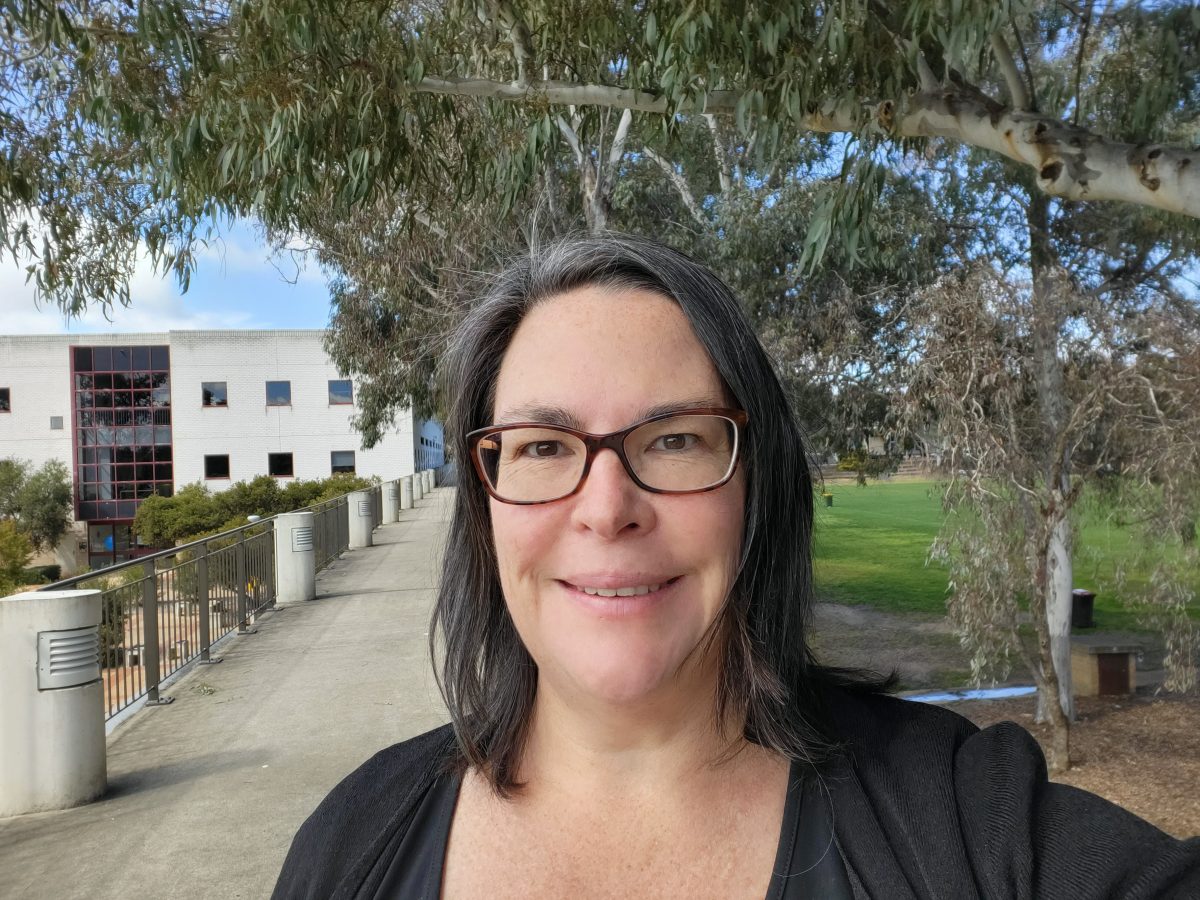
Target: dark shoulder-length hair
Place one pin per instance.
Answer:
(769, 678)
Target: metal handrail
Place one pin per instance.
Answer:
(213, 586)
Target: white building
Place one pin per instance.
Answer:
(135, 414)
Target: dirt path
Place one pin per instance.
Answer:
(923, 648)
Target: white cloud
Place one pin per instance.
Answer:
(228, 266)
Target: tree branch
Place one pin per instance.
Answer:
(1008, 66)
(722, 159)
(572, 138)
(681, 186)
(1070, 162)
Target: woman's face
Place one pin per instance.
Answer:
(606, 357)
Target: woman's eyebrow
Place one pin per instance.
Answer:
(558, 415)
(541, 412)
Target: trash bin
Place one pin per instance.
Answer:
(1082, 608)
(828, 499)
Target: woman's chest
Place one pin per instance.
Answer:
(722, 849)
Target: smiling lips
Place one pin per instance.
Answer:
(629, 590)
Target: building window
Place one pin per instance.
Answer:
(214, 393)
(56, 423)
(279, 393)
(279, 465)
(216, 466)
(341, 461)
(121, 420)
(341, 391)
(6, 399)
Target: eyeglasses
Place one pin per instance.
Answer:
(684, 452)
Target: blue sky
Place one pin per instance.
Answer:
(237, 284)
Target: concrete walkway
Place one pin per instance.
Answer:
(205, 794)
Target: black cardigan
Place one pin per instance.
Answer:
(925, 805)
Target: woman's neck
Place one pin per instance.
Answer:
(585, 747)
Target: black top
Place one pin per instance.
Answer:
(925, 805)
(808, 863)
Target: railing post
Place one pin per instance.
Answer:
(150, 662)
(205, 606)
(239, 565)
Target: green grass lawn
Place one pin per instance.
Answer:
(872, 545)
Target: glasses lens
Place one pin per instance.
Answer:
(683, 453)
(532, 464)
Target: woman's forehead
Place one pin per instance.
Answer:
(604, 354)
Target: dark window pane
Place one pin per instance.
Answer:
(86, 437)
(88, 492)
(142, 398)
(121, 359)
(142, 417)
(145, 472)
(123, 454)
(85, 419)
(341, 461)
(279, 393)
(103, 398)
(103, 382)
(144, 454)
(87, 456)
(108, 509)
(83, 359)
(124, 491)
(160, 358)
(102, 359)
(162, 472)
(124, 473)
(84, 382)
(280, 465)
(341, 391)
(164, 489)
(123, 399)
(216, 466)
(163, 452)
(127, 509)
(121, 382)
(141, 358)
(213, 393)
(159, 379)
(144, 490)
(140, 380)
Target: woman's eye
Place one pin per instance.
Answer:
(675, 442)
(542, 449)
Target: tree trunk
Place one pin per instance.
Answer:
(1055, 576)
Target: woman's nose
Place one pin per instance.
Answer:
(609, 503)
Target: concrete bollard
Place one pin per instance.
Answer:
(418, 487)
(295, 557)
(52, 750)
(429, 481)
(361, 514)
(406, 492)
(391, 498)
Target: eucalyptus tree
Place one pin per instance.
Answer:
(130, 126)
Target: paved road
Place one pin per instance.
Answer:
(205, 794)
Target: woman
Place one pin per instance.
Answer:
(624, 605)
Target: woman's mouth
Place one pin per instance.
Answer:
(620, 599)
